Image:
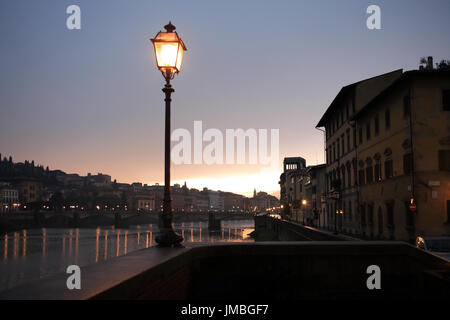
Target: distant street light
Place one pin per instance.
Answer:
(169, 50)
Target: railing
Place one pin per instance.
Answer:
(269, 270)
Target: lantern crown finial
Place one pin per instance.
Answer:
(169, 27)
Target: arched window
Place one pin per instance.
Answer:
(349, 174)
(377, 171)
(370, 214)
(350, 211)
(362, 210)
(369, 170)
(361, 176)
(370, 218)
(390, 214)
(388, 164)
(380, 221)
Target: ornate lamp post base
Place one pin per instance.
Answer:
(168, 238)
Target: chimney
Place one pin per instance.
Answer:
(430, 63)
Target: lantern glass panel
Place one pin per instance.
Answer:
(166, 54)
(180, 57)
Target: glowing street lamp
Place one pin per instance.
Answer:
(169, 51)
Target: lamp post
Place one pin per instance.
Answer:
(304, 202)
(169, 49)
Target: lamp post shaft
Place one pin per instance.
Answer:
(167, 202)
(167, 237)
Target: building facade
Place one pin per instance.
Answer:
(341, 151)
(29, 189)
(291, 187)
(404, 158)
(9, 198)
(387, 146)
(315, 191)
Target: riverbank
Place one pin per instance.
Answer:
(28, 220)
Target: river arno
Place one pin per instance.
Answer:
(37, 253)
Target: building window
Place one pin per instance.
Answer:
(363, 215)
(444, 160)
(390, 214)
(368, 131)
(361, 177)
(377, 125)
(338, 149)
(407, 163)
(377, 172)
(369, 174)
(333, 156)
(380, 221)
(387, 119)
(406, 107)
(354, 137)
(360, 135)
(446, 100)
(388, 169)
(349, 176)
(370, 214)
(348, 140)
(346, 112)
(343, 144)
(350, 214)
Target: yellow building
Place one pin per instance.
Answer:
(403, 153)
(30, 189)
(341, 151)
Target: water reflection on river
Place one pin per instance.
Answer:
(32, 254)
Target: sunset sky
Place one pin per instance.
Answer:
(90, 100)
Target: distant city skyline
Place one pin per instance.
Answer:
(90, 100)
(194, 186)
